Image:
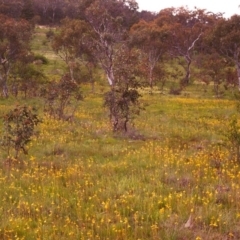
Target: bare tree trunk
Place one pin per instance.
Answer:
(238, 73)
(3, 85)
(186, 79)
(71, 72)
(53, 16)
(92, 80)
(188, 58)
(151, 78)
(153, 58)
(110, 76)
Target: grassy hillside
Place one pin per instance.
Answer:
(172, 177)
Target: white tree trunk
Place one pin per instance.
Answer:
(110, 76)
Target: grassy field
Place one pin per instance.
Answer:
(173, 177)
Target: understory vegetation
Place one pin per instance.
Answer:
(172, 177)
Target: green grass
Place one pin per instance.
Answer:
(42, 45)
(81, 181)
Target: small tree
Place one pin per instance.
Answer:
(123, 100)
(27, 78)
(152, 39)
(72, 44)
(225, 38)
(15, 36)
(214, 66)
(19, 126)
(62, 98)
(123, 104)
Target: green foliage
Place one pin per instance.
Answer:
(61, 98)
(123, 105)
(123, 98)
(14, 46)
(26, 78)
(233, 132)
(19, 126)
(233, 135)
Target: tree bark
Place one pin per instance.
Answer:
(187, 76)
(110, 76)
(3, 84)
(238, 72)
(151, 78)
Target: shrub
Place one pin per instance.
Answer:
(62, 98)
(233, 135)
(19, 126)
(123, 104)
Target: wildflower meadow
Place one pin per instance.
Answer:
(173, 177)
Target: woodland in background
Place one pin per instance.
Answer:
(133, 49)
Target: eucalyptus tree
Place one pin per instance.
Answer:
(152, 40)
(101, 37)
(214, 67)
(186, 28)
(225, 38)
(110, 34)
(110, 24)
(73, 43)
(123, 101)
(14, 45)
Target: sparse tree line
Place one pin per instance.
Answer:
(133, 49)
